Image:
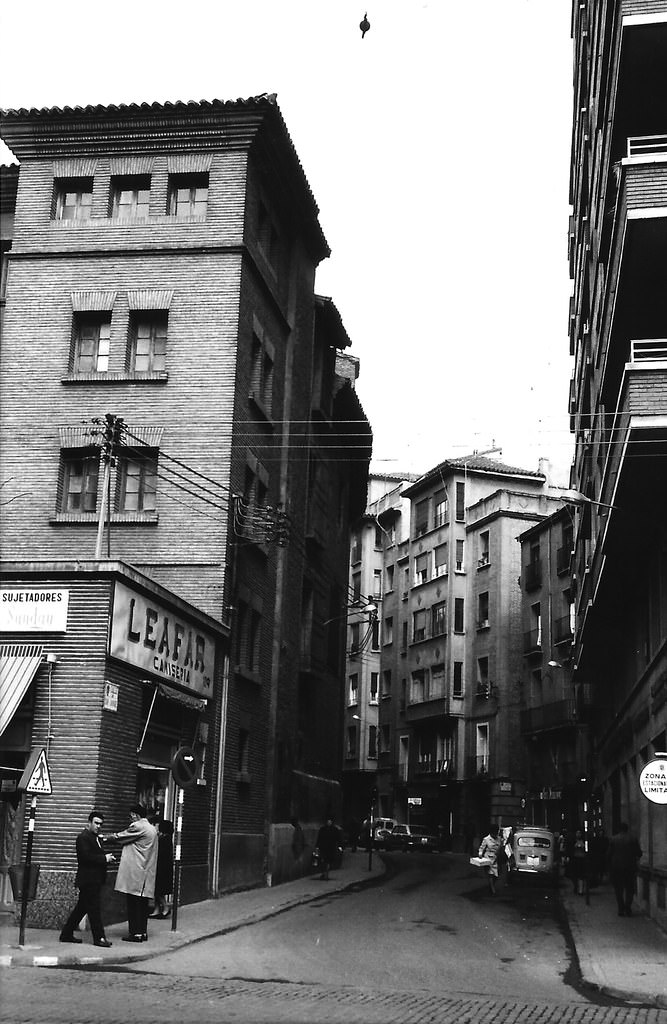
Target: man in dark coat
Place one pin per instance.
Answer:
(327, 843)
(90, 877)
(624, 856)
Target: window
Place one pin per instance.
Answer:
(353, 692)
(351, 743)
(404, 636)
(375, 634)
(130, 197)
(418, 687)
(390, 578)
(439, 618)
(438, 684)
(460, 502)
(421, 569)
(483, 610)
(389, 630)
(355, 552)
(354, 638)
(458, 614)
(421, 517)
(379, 537)
(148, 342)
(244, 751)
(377, 582)
(372, 741)
(457, 687)
(406, 580)
(483, 549)
(440, 556)
(483, 686)
(440, 511)
(262, 372)
(386, 684)
(92, 334)
(137, 484)
(459, 556)
(385, 739)
(73, 198)
(419, 625)
(80, 470)
(482, 747)
(356, 588)
(188, 195)
(375, 684)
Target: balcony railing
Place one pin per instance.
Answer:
(563, 629)
(433, 766)
(532, 640)
(558, 714)
(647, 145)
(648, 349)
(477, 766)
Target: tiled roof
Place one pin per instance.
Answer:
(479, 463)
(125, 108)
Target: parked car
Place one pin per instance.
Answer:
(533, 849)
(381, 826)
(411, 837)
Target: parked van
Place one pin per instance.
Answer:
(534, 852)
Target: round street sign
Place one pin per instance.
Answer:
(184, 767)
(653, 780)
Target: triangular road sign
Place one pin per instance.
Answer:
(36, 778)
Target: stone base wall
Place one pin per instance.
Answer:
(288, 859)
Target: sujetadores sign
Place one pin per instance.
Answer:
(653, 779)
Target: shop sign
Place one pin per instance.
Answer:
(33, 610)
(653, 780)
(152, 637)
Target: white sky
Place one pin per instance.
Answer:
(437, 149)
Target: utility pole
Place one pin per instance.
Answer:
(111, 440)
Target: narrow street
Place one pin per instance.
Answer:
(426, 943)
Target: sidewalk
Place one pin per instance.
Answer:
(195, 921)
(625, 957)
(621, 957)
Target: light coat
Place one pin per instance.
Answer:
(138, 860)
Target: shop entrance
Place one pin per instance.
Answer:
(156, 789)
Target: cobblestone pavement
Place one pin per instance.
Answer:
(114, 997)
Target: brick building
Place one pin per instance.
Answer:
(160, 269)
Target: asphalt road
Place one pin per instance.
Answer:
(425, 944)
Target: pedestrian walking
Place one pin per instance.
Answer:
(327, 845)
(136, 871)
(489, 849)
(90, 876)
(164, 872)
(624, 856)
(579, 863)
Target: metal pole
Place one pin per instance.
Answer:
(370, 839)
(26, 871)
(177, 860)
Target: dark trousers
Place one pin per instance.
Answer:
(624, 887)
(88, 903)
(137, 914)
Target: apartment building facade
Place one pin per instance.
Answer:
(618, 244)
(450, 643)
(161, 263)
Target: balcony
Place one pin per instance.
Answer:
(435, 707)
(532, 641)
(560, 714)
(433, 767)
(648, 350)
(563, 630)
(477, 766)
(483, 560)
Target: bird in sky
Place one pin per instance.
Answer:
(364, 25)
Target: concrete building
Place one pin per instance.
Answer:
(449, 653)
(553, 714)
(160, 303)
(618, 248)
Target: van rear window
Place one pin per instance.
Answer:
(534, 841)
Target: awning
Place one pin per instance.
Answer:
(18, 664)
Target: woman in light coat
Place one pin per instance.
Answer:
(136, 871)
(490, 848)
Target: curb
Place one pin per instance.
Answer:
(180, 941)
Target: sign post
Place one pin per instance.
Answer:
(184, 770)
(35, 779)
